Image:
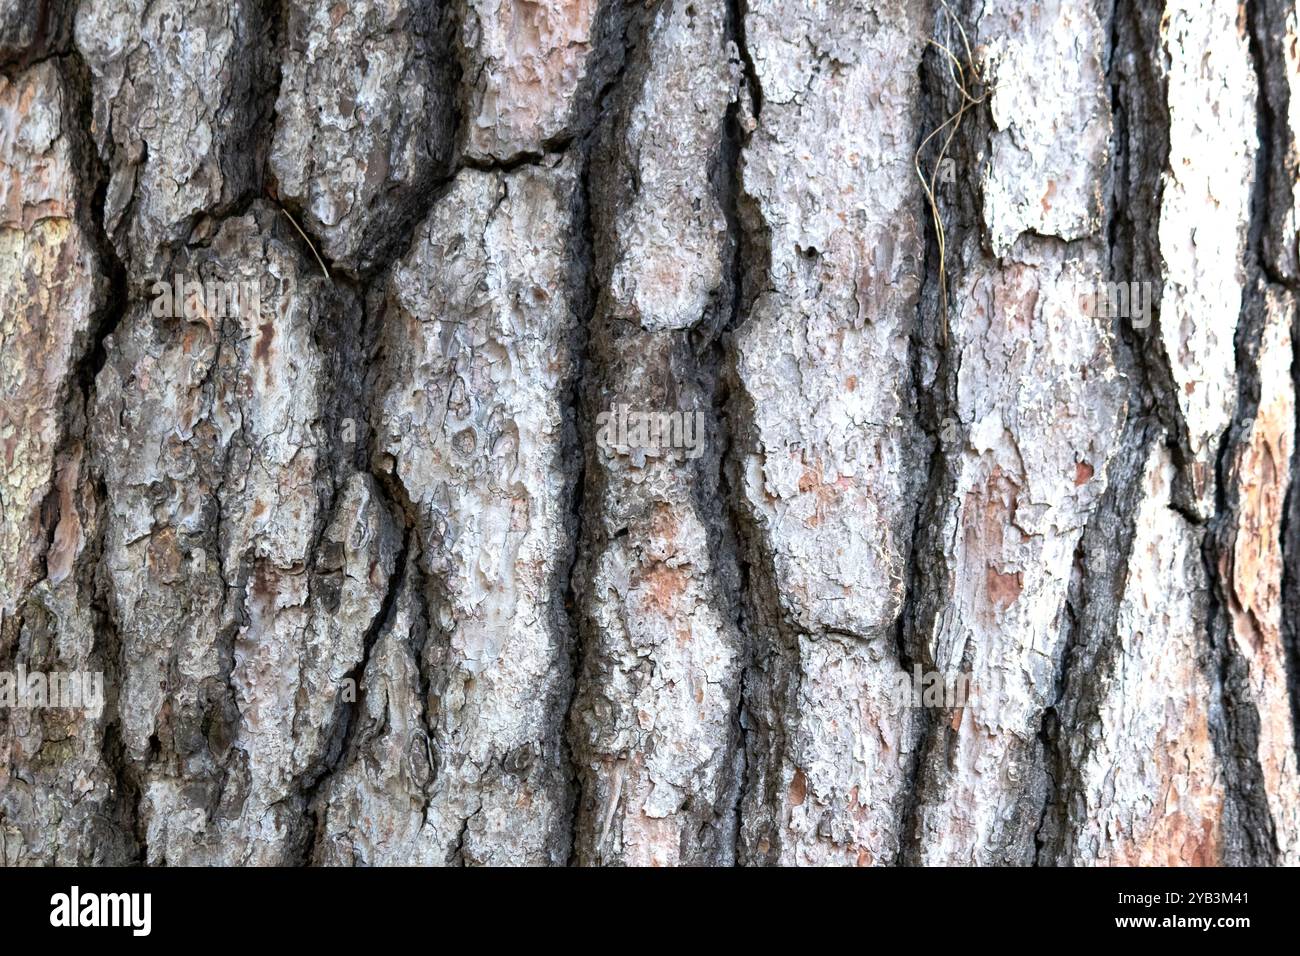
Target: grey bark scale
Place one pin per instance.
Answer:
(654, 558)
(1139, 151)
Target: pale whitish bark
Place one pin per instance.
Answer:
(51, 289)
(174, 114)
(830, 459)
(474, 364)
(1038, 402)
(392, 476)
(1148, 789)
(522, 61)
(363, 118)
(655, 731)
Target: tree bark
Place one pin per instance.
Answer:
(373, 575)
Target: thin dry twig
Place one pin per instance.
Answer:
(958, 73)
(319, 260)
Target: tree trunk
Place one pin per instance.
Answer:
(613, 420)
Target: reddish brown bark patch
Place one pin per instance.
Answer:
(1003, 589)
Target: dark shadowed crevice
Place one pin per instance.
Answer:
(1280, 264)
(935, 363)
(759, 618)
(932, 380)
(551, 150)
(745, 268)
(355, 360)
(730, 172)
(1101, 558)
(577, 427)
(93, 578)
(737, 13)
(617, 31)
(1291, 555)
(45, 33)
(1238, 740)
(346, 713)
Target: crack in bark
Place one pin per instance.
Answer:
(342, 737)
(1091, 603)
(1239, 739)
(108, 644)
(732, 167)
(1279, 265)
(935, 404)
(617, 32)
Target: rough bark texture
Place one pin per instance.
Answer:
(371, 577)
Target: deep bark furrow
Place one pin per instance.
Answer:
(1244, 547)
(653, 724)
(1036, 400)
